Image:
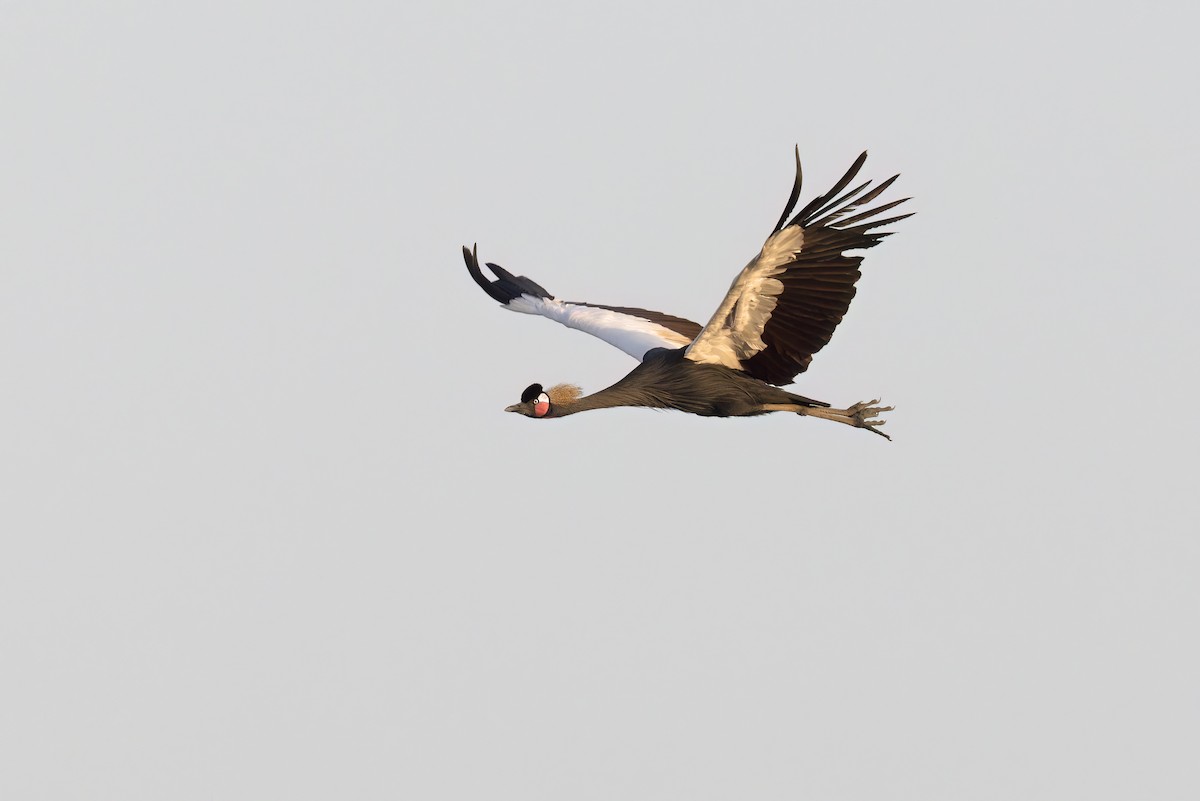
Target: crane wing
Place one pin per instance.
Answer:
(635, 331)
(785, 304)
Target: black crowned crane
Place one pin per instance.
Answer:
(780, 310)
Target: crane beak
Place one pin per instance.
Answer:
(516, 407)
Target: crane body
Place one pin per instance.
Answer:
(780, 310)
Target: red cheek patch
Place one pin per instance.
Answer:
(540, 408)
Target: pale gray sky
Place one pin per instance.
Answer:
(266, 532)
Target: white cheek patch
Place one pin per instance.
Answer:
(542, 405)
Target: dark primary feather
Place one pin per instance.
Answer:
(796, 185)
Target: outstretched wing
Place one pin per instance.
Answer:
(784, 306)
(635, 331)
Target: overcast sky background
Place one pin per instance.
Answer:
(267, 533)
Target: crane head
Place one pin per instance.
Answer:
(553, 402)
(534, 402)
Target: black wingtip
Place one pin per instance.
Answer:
(471, 257)
(806, 214)
(507, 286)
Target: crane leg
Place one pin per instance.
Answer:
(860, 415)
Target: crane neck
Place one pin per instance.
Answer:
(607, 398)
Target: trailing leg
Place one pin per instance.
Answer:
(860, 415)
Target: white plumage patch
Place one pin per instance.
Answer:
(633, 335)
(734, 333)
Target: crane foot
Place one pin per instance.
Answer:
(860, 415)
(864, 414)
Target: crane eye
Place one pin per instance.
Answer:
(542, 405)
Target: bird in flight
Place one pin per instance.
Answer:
(780, 310)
